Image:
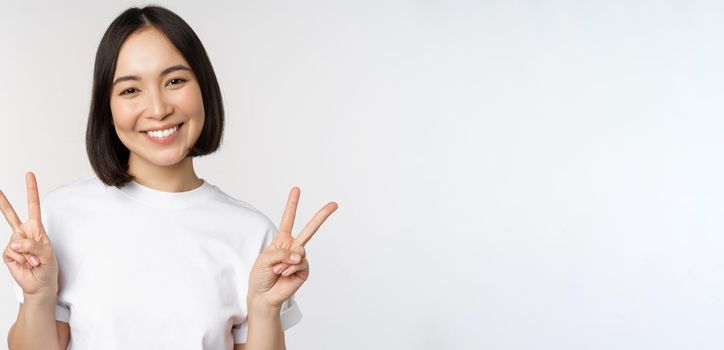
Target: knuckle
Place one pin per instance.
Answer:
(17, 245)
(278, 254)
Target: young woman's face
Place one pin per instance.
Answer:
(156, 102)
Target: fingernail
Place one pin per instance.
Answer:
(278, 269)
(34, 261)
(15, 245)
(295, 257)
(287, 272)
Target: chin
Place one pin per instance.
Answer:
(166, 161)
(169, 162)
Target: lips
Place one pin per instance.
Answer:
(163, 135)
(163, 127)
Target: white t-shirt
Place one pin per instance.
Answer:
(146, 269)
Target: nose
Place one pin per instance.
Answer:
(158, 107)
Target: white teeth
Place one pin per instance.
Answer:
(162, 133)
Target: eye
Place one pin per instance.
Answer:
(177, 80)
(128, 91)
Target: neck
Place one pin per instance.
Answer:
(179, 177)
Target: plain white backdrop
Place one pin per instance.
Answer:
(510, 174)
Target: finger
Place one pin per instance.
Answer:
(28, 246)
(30, 249)
(10, 255)
(298, 250)
(278, 268)
(300, 253)
(29, 261)
(290, 211)
(313, 225)
(9, 213)
(33, 197)
(272, 258)
(18, 236)
(302, 266)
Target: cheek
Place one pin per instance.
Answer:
(123, 116)
(191, 102)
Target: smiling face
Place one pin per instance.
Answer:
(156, 102)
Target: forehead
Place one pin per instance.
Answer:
(147, 52)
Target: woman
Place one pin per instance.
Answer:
(147, 255)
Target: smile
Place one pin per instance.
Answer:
(163, 136)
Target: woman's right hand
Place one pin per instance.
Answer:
(32, 264)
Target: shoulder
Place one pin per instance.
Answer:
(74, 199)
(81, 187)
(241, 208)
(244, 216)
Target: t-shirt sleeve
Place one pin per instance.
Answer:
(290, 313)
(62, 310)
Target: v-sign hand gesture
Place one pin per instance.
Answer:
(282, 267)
(32, 262)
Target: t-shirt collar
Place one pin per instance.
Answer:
(167, 199)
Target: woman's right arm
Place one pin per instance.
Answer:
(36, 327)
(32, 263)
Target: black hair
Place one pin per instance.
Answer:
(107, 155)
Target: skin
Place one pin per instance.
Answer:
(155, 101)
(149, 101)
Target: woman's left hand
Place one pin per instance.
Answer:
(282, 267)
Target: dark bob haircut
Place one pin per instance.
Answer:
(107, 155)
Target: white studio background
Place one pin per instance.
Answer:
(510, 174)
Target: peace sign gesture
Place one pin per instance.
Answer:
(282, 267)
(32, 262)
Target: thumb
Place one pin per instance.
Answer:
(273, 257)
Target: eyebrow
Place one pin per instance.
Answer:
(165, 71)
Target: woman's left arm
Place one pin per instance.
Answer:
(277, 274)
(265, 330)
